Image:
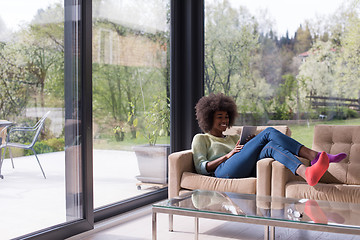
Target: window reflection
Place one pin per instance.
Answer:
(32, 73)
(131, 113)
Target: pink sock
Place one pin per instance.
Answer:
(316, 171)
(314, 212)
(332, 158)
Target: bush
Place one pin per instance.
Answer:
(40, 147)
(47, 146)
(351, 113)
(338, 113)
(57, 144)
(23, 136)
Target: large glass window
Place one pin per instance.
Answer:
(289, 63)
(42, 79)
(131, 111)
(40, 132)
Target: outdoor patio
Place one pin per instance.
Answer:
(28, 202)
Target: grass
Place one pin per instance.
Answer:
(301, 132)
(304, 133)
(127, 144)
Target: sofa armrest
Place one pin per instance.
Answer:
(263, 175)
(179, 162)
(281, 176)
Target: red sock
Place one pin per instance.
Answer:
(314, 212)
(316, 171)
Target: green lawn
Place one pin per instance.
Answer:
(127, 144)
(304, 133)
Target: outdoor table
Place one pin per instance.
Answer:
(3, 125)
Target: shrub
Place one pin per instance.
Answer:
(351, 113)
(47, 146)
(57, 144)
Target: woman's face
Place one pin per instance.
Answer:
(221, 121)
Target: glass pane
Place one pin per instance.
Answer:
(131, 80)
(33, 191)
(285, 63)
(264, 208)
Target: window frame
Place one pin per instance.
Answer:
(187, 32)
(84, 25)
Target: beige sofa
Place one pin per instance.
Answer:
(342, 180)
(183, 177)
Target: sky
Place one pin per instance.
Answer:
(17, 12)
(287, 14)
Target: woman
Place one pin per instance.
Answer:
(222, 156)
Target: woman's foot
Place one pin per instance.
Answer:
(316, 171)
(332, 158)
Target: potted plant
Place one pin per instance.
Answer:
(152, 157)
(119, 133)
(132, 121)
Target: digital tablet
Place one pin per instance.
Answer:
(246, 132)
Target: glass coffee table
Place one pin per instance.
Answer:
(263, 210)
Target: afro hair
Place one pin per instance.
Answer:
(208, 105)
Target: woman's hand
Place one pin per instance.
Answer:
(236, 149)
(249, 138)
(211, 166)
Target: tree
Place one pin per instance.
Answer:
(271, 60)
(349, 62)
(303, 40)
(124, 89)
(285, 98)
(319, 70)
(43, 51)
(31, 58)
(13, 84)
(230, 40)
(232, 57)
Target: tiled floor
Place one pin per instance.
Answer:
(24, 191)
(137, 226)
(32, 202)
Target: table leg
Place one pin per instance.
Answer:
(269, 233)
(266, 233)
(171, 223)
(1, 161)
(272, 232)
(196, 228)
(153, 225)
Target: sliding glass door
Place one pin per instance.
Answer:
(42, 94)
(96, 74)
(131, 98)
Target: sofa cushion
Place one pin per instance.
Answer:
(194, 181)
(237, 130)
(323, 191)
(335, 139)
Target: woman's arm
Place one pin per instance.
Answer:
(211, 166)
(199, 147)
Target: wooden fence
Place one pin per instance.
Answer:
(320, 101)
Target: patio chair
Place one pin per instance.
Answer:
(35, 131)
